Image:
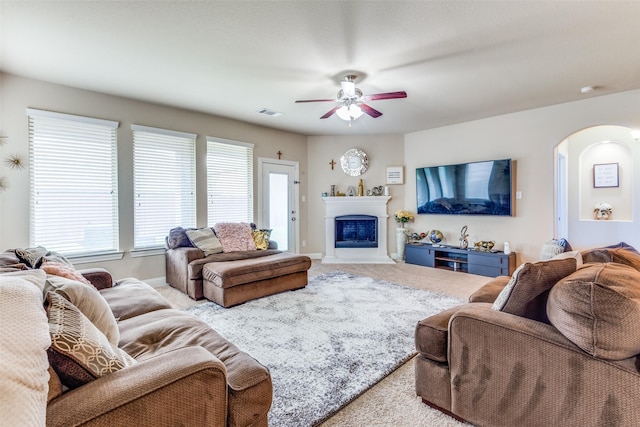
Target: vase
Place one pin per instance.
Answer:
(401, 241)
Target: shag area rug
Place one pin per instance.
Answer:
(327, 343)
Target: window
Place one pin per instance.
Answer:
(163, 183)
(229, 181)
(74, 186)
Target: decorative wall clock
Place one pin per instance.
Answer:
(354, 162)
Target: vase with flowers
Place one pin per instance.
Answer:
(402, 217)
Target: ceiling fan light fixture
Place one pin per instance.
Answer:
(349, 112)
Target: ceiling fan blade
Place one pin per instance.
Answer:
(387, 95)
(370, 111)
(330, 112)
(317, 100)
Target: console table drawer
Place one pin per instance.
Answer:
(488, 259)
(484, 270)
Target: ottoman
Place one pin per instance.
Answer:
(229, 283)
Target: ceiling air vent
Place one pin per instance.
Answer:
(269, 112)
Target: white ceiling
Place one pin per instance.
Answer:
(457, 60)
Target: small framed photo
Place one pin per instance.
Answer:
(395, 175)
(605, 175)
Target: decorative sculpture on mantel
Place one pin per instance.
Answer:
(464, 243)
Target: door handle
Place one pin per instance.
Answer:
(293, 218)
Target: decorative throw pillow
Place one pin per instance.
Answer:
(30, 256)
(177, 238)
(205, 240)
(261, 238)
(598, 309)
(54, 257)
(235, 236)
(571, 254)
(90, 302)
(621, 253)
(63, 270)
(526, 293)
(552, 248)
(79, 352)
(23, 349)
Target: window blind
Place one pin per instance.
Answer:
(73, 182)
(164, 183)
(229, 181)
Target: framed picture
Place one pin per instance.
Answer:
(395, 175)
(605, 175)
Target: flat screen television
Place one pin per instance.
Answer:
(478, 188)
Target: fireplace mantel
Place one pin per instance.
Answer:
(356, 205)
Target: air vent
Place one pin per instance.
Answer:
(269, 112)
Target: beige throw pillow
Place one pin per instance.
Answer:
(90, 302)
(205, 240)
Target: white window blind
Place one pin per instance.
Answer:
(229, 181)
(164, 184)
(74, 185)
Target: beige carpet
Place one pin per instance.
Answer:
(391, 402)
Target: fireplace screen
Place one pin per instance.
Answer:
(356, 231)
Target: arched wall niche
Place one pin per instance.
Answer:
(577, 193)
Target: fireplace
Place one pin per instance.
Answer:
(356, 230)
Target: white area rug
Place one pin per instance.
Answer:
(327, 343)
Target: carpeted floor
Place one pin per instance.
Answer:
(392, 401)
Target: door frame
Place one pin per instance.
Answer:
(296, 196)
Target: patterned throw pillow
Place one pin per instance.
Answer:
(261, 238)
(177, 238)
(205, 240)
(89, 301)
(63, 270)
(235, 236)
(79, 352)
(527, 292)
(554, 247)
(30, 256)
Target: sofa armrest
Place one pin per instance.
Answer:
(99, 277)
(182, 387)
(177, 265)
(498, 360)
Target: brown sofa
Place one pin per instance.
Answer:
(231, 278)
(183, 371)
(551, 345)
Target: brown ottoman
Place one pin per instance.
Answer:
(229, 283)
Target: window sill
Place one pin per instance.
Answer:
(136, 253)
(97, 257)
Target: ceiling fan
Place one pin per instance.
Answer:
(351, 101)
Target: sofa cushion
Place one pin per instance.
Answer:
(526, 293)
(89, 301)
(23, 349)
(205, 240)
(598, 309)
(621, 253)
(130, 297)
(235, 236)
(490, 290)
(79, 352)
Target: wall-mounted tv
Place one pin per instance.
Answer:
(478, 188)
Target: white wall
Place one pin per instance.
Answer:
(529, 138)
(18, 93)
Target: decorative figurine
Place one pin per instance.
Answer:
(603, 210)
(485, 246)
(464, 243)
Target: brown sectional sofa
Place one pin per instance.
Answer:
(555, 344)
(231, 278)
(184, 372)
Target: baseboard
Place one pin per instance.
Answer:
(314, 255)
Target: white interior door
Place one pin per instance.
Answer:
(278, 201)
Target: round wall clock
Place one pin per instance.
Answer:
(354, 162)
